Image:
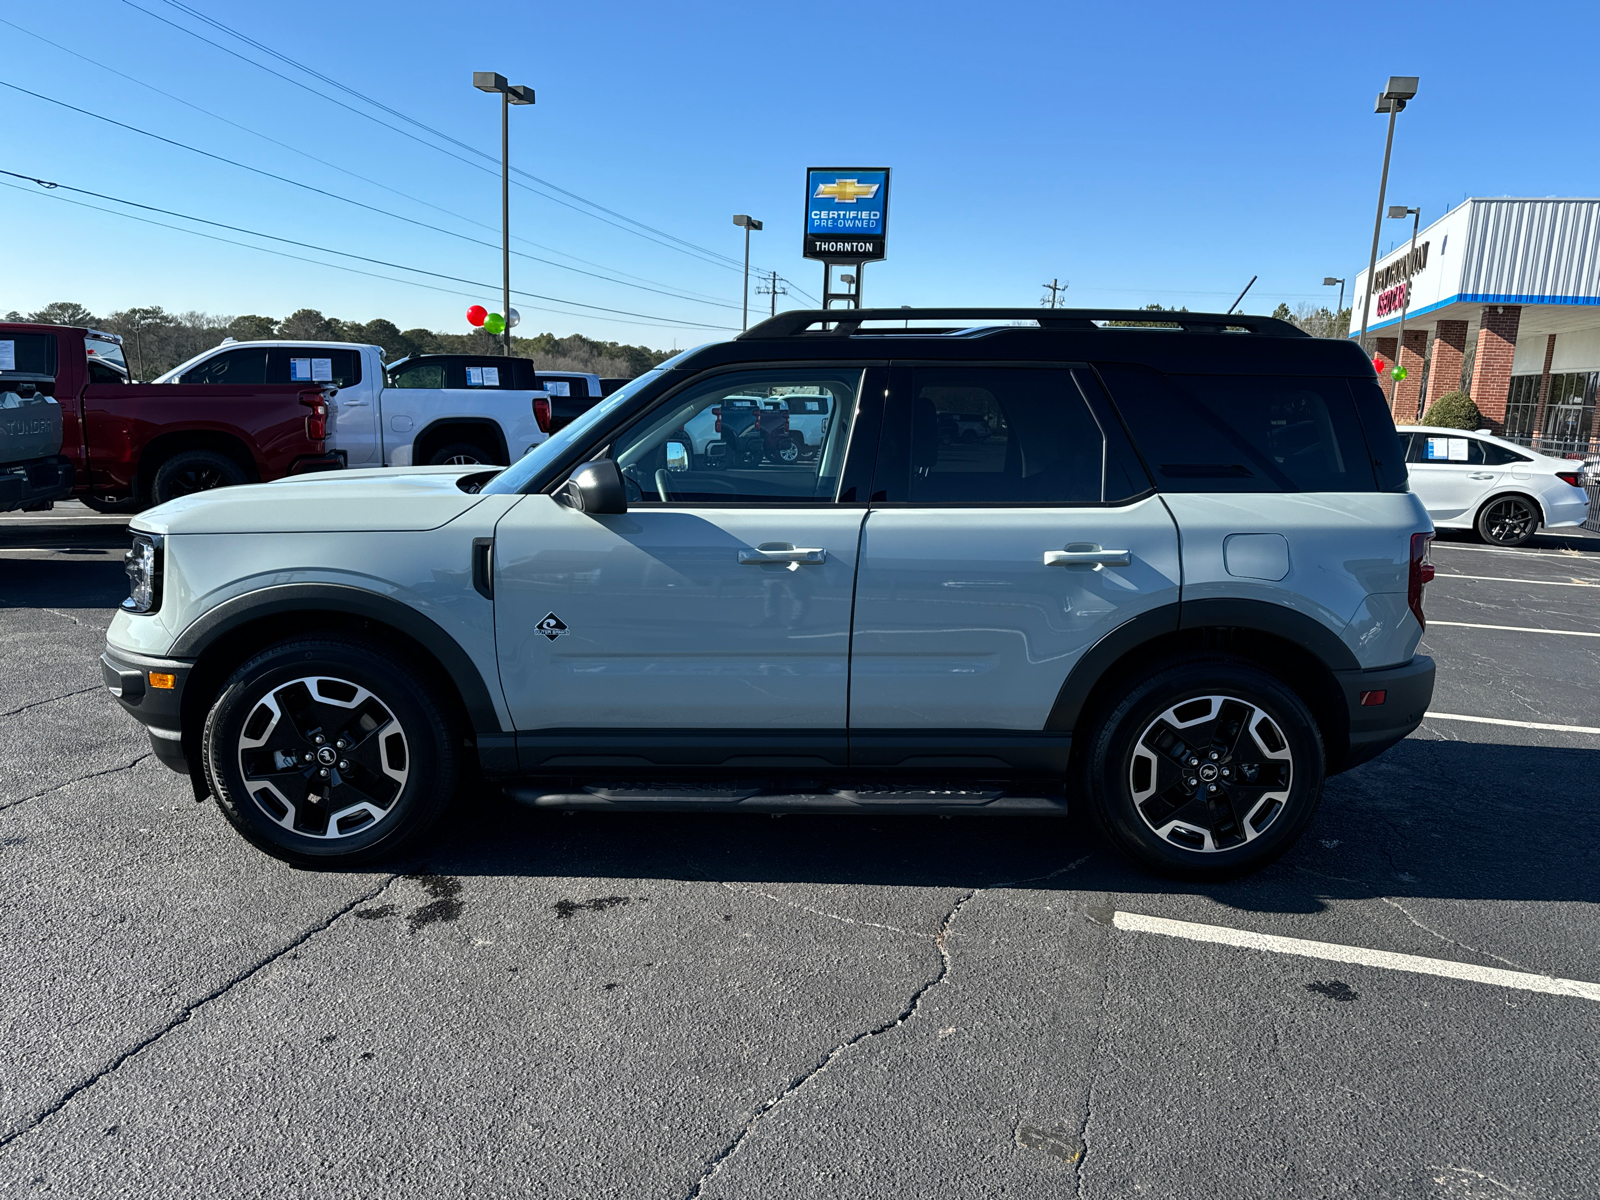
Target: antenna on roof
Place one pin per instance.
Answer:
(1247, 287)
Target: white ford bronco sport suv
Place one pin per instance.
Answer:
(1180, 585)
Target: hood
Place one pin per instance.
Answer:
(378, 500)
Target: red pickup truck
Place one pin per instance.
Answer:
(136, 444)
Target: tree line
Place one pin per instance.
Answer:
(155, 340)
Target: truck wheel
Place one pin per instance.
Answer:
(462, 454)
(327, 751)
(99, 505)
(190, 471)
(784, 452)
(1206, 769)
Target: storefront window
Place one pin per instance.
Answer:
(1569, 410)
(1522, 406)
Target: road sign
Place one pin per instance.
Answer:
(847, 213)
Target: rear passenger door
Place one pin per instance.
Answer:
(1450, 474)
(989, 566)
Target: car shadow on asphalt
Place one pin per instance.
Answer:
(63, 583)
(1430, 819)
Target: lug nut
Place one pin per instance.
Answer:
(1211, 788)
(319, 739)
(1226, 772)
(1192, 782)
(1194, 762)
(344, 766)
(339, 745)
(309, 757)
(324, 774)
(1215, 756)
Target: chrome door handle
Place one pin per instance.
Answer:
(1104, 558)
(789, 555)
(1480, 475)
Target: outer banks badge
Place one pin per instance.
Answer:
(552, 627)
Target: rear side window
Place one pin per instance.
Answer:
(247, 366)
(419, 375)
(1245, 433)
(312, 364)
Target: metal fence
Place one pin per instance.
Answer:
(1584, 454)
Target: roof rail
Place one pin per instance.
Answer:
(846, 322)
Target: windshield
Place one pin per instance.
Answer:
(516, 477)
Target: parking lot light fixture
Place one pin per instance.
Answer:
(1391, 100)
(749, 223)
(493, 81)
(1329, 281)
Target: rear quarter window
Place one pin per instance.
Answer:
(1248, 433)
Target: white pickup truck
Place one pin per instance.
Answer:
(495, 413)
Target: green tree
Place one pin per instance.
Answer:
(64, 312)
(1282, 313)
(252, 328)
(1454, 410)
(309, 325)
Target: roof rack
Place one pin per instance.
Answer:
(847, 322)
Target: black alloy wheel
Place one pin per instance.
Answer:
(1206, 769)
(1508, 521)
(329, 751)
(191, 471)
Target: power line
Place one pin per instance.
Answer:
(335, 196)
(356, 175)
(211, 237)
(671, 322)
(719, 260)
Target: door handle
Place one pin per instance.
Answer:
(1095, 557)
(1480, 475)
(788, 554)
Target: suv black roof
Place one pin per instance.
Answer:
(1203, 343)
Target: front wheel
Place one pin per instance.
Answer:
(1508, 521)
(327, 751)
(1206, 769)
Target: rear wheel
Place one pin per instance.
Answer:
(1508, 521)
(784, 451)
(462, 454)
(328, 751)
(191, 471)
(1206, 769)
(102, 505)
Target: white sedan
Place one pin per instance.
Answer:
(1504, 491)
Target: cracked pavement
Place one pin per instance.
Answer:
(729, 1006)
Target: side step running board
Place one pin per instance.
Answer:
(689, 797)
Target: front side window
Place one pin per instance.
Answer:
(732, 439)
(246, 366)
(419, 375)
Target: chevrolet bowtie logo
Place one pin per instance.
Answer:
(847, 191)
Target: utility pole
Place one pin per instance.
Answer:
(1055, 285)
(771, 288)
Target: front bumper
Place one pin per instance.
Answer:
(36, 482)
(1407, 691)
(127, 676)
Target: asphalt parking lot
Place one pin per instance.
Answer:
(737, 1006)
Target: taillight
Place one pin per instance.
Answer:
(541, 412)
(1570, 478)
(317, 422)
(1421, 575)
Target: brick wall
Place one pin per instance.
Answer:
(1408, 392)
(1449, 348)
(1491, 368)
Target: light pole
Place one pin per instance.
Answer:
(489, 81)
(1399, 89)
(1329, 281)
(749, 223)
(1398, 212)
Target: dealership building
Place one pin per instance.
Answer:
(1509, 290)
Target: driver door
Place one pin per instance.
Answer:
(720, 601)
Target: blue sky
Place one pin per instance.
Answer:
(1143, 152)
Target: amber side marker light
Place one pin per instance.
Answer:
(164, 681)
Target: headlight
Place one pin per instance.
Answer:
(143, 565)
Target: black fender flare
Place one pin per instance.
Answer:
(281, 599)
(1225, 613)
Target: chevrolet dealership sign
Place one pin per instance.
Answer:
(847, 213)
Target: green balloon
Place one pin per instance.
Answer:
(494, 323)
(1399, 373)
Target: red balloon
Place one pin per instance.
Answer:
(476, 314)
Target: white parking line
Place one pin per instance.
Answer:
(1438, 716)
(1506, 579)
(1358, 955)
(1513, 628)
(1569, 555)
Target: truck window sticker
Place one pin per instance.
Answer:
(8, 356)
(474, 376)
(491, 376)
(322, 370)
(557, 387)
(299, 370)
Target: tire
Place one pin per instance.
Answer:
(969, 437)
(1508, 521)
(1171, 722)
(462, 454)
(784, 452)
(379, 795)
(191, 471)
(110, 506)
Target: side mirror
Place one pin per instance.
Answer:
(595, 488)
(677, 456)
